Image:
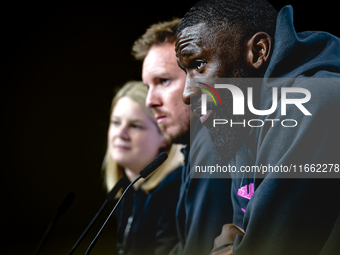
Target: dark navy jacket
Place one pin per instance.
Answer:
(204, 204)
(293, 215)
(152, 227)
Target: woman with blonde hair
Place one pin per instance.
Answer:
(146, 217)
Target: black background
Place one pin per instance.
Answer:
(60, 63)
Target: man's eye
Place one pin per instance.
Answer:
(199, 64)
(164, 81)
(196, 64)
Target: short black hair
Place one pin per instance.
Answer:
(247, 17)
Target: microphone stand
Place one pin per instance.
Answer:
(142, 174)
(61, 210)
(122, 183)
(94, 241)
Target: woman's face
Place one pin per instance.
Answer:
(134, 140)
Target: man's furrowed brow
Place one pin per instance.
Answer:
(185, 52)
(161, 75)
(181, 44)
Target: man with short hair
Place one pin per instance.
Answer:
(164, 79)
(200, 200)
(277, 118)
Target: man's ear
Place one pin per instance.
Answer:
(259, 49)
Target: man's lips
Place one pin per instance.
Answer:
(204, 117)
(160, 117)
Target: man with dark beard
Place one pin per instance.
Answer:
(220, 133)
(292, 141)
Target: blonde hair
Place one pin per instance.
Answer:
(163, 32)
(137, 91)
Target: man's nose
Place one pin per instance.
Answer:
(190, 93)
(153, 99)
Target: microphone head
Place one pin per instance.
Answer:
(153, 165)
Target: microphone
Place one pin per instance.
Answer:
(153, 165)
(122, 183)
(63, 207)
(142, 174)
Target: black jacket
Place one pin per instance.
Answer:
(204, 204)
(152, 227)
(294, 213)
